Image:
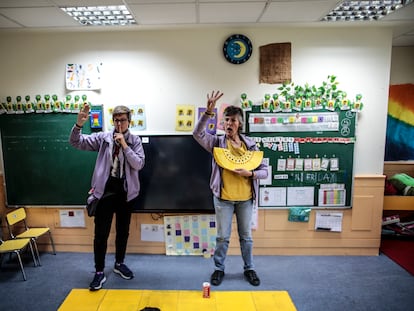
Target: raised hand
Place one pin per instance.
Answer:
(212, 99)
(83, 115)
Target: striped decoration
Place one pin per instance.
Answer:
(399, 143)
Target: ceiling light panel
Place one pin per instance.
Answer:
(111, 15)
(364, 10)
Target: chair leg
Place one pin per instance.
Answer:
(21, 264)
(33, 240)
(33, 255)
(53, 243)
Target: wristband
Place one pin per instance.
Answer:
(252, 174)
(78, 126)
(208, 113)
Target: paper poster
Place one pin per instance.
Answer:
(72, 218)
(184, 118)
(272, 196)
(220, 123)
(297, 196)
(332, 195)
(138, 118)
(83, 76)
(327, 221)
(211, 126)
(190, 234)
(268, 180)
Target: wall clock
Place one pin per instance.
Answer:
(237, 49)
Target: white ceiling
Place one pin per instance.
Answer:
(45, 14)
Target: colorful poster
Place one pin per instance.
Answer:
(185, 118)
(211, 126)
(190, 234)
(83, 76)
(399, 145)
(138, 118)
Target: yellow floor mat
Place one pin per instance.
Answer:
(176, 300)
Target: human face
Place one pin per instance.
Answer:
(121, 122)
(231, 125)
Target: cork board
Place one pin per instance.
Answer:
(275, 63)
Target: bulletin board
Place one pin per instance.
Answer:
(310, 157)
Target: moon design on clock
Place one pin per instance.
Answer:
(242, 48)
(237, 49)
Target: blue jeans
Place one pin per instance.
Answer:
(224, 216)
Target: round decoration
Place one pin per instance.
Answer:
(249, 161)
(237, 49)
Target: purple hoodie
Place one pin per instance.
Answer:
(103, 142)
(209, 141)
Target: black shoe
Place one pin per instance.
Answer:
(252, 277)
(97, 282)
(217, 277)
(123, 271)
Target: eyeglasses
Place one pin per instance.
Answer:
(120, 120)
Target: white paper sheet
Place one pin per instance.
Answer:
(300, 196)
(328, 221)
(272, 196)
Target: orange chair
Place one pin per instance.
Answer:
(18, 216)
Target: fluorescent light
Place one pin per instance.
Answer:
(364, 10)
(101, 15)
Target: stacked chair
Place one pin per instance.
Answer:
(19, 229)
(16, 246)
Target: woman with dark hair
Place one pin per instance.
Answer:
(115, 182)
(234, 191)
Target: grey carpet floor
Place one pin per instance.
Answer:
(315, 283)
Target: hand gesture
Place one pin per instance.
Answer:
(243, 172)
(120, 139)
(212, 99)
(83, 115)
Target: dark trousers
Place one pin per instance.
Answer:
(113, 202)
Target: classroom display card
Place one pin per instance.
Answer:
(272, 196)
(72, 218)
(328, 221)
(83, 76)
(190, 234)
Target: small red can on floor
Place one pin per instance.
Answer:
(206, 290)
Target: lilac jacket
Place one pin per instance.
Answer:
(103, 142)
(209, 141)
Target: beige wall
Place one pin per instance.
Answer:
(402, 65)
(164, 68)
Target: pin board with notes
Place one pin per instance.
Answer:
(310, 157)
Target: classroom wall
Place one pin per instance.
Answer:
(402, 65)
(163, 68)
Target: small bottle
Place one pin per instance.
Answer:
(206, 290)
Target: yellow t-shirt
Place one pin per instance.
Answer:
(235, 187)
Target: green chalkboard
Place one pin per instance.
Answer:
(40, 166)
(310, 156)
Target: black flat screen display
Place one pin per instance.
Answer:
(175, 177)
